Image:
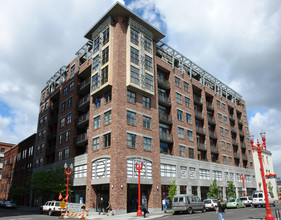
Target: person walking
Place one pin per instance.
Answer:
(101, 206)
(164, 203)
(109, 209)
(144, 208)
(220, 209)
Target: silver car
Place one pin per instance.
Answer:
(188, 204)
(211, 204)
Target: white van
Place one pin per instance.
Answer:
(259, 199)
(187, 203)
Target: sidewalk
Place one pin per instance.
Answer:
(128, 216)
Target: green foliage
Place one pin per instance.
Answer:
(230, 191)
(213, 190)
(270, 189)
(17, 192)
(172, 190)
(49, 182)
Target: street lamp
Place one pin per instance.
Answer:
(67, 172)
(259, 148)
(139, 166)
(243, 177)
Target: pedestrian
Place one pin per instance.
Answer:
(101, 206)
(220, 209)
(144, 208)
(109, 209)
(164, 203)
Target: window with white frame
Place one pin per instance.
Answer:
(107, 117)
(177, 82)
(189, 135)
(220, 117)
(217, 175)
(67, 136)
(187, 102)
(68, 118)
(204, 174)
(180, 132)
(131, 118)
(60, 155)
(80, 171)
(134, 37)
(225, 119)
(182, 150)
(60, 138)
(222, 145)
(178, 98)
(179, 115)
(96, 143)
(146, 171)
(146, 122)
(168, 170)
(96, 122)
(101, 168)
(192, 172)
(146, 102)
(188, 118)
(62, 122)
(66, 153)
(134, 56)
(183, 170)
(131, 140)
(221, 131)
(131, 96)
(186, 86)
(146, 143)
(148, 63)
(135, 78)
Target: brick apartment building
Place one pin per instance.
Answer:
(129, 96)
(17, 170)
(3, 147)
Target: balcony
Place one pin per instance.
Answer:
(201, 147)
(234, 142)
(83, 120)
(241, 133)
(51, 136)
(214, 150)
(213, 135)
(164, 100)
(243, 146)
(164, 118)
(166, 138)
(198, 115)
(244, 157)
(240, 122)
(211, 120)
(197, 100)
(84, 87)
(200, 131)
(231, 117)
(82, 139)
(233, 130)
(236, 155)
(210, 106)
(163, 83)
(83, 104)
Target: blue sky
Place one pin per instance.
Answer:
(241, 49)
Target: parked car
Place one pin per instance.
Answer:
(235, 203)
(52, 207)
(247, 200)
(259, 199)
(2, 201)
(9, 204)
(187, 203)
(211, 204)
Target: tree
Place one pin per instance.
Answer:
(270, 189)
(230, 191)
(213, 190)
(172, 190)
(49, 182)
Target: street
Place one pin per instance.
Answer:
(233, 214)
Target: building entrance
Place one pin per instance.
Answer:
(132, 196)
(102, 191)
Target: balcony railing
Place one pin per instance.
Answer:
(81, 138)
(241, 133)
(201, 147)
(244, 157)
(164, 99)
(233, 129)
(234, 142)
(231, 117)
(211, 120)
(83, 118)
(210, 106)
(213, 135)
(214, 150)
(85, 83)
(166, 137)
(165, 118)
(198, 115)
(83, 101)
(200, 130)
(236, 155)
(164, 83)
(240, 122)
(197, 99)
(243, 145)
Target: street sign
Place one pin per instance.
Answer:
(62, 204)
(243, 189)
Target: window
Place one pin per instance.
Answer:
(105, 56)
(204, 174)
(106, 140)
(135, 75)
(218, 104)
(67, 136)
(146, 143)
(223, 106)
(230, 161)
(224, 160)
(97, 102)
(95, 82)
(71, 86)
(131, 96)
(106, 36)
(134, 37)
(187, 102)
(228, 146)
(146, 102)
(147, 45)
(68, 118)
(96, 143)
(222, 145)
(60, 155)
(178, 98)
(131, 140)
(221, 131)
(225, 119)
(188, 118)
(220, 117)
(191, 172)
(131, 117)
(186, 86)
(96, 122)
(60, 138)
(66, 153)
(64, 91)
(245, 118)
(191, 153)
(148, 82)
(168, 170)
(177, 81)
(62, 122)
(217, 175)
(226, 133)
(96, 44)
(30, 151)
(72, 70)
(179, 115)
(104, 75)
(148, 63)
(182, 151)
(180, 133)
(96, 62)
(189, 135)
(41, 161)
(69, 102)
(63, 107)
(146, 122)
(107, 96)
(107, 117)
(134, 56)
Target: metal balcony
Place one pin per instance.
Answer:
(200, 130)
(234, 142)
(83, 120)
(164, 100)
(164, 118)
(213, 135)
(233, 130)
(82, 139)
(231, 117)
(211, 120)
(240, 122)
(164, 83)
(199, 115)
(83, 103)
(166, 138)
(197, 100)
(243, 146)
(214, 150)
(85, 86)
(244, 157)
(201, 147)
(210, 106)
(236, 155)
(241, 133)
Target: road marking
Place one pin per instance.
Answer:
(192, 217)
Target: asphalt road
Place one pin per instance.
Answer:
(233, 214)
